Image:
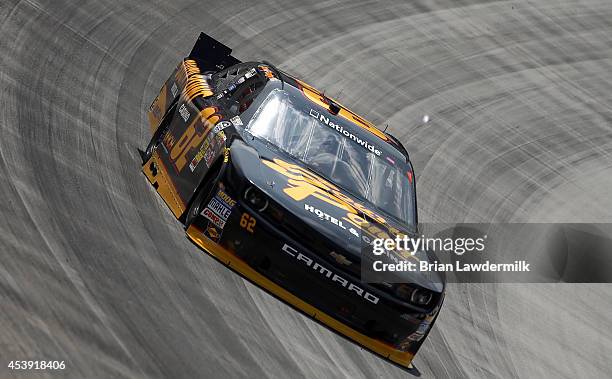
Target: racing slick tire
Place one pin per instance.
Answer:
(159, 133)
(204, 192)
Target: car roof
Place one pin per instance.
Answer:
(368, 129)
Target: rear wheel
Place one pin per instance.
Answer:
(159, 133)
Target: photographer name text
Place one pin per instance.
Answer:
(423, 266)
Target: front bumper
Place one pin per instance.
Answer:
(258, 255)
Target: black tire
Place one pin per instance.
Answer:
(159, 133)
(203, 194)
(195, 208)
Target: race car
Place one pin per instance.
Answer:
(285, 186)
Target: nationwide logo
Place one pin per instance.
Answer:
(291, 251)
(340, 129)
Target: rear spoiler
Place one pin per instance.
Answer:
(213, 54)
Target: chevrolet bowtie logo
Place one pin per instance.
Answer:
(340, 258)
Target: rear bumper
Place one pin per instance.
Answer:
(262, 256)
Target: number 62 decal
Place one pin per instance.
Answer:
(248, 222)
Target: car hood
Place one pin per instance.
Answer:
(323, 207)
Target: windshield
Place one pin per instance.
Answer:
(336, 154)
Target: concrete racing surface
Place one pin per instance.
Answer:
(95, 271)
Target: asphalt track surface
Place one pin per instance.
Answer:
(95, 271)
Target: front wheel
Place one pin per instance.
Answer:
(196, 207)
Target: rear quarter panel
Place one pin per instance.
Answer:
(191, 144)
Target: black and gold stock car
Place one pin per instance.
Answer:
(277, 181)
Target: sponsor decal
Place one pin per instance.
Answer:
(219, 208)
(220, 126)
(184, 112)
(209, 156)
(200, 154)
(237, 121)
(193, 137)
(302, 184)
(207, 150)
(174, 89)
(248, 222)
(327, 273)
(194, 163)
(213, 217)
(250, 73)
(341, 259)
(318, 98)
(329, 218)
(213, 233)
(324, 216)
(227, 199)
(340, 129)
